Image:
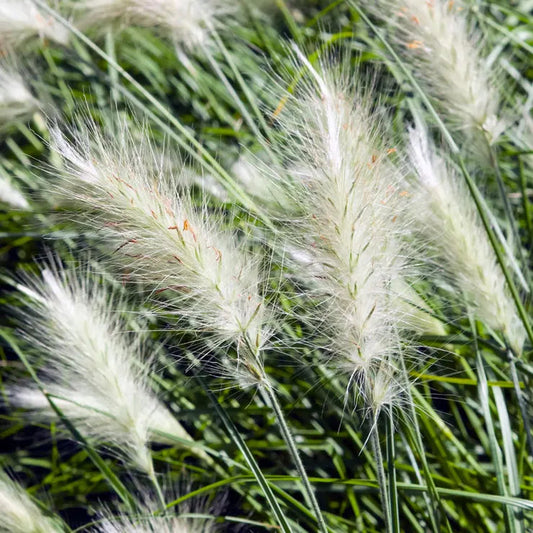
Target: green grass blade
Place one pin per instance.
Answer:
(391, 467)
(309, 494)
(509, 452)
(493, 442)
(235, 436)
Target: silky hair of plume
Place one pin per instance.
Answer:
(22, 22)
(197, 271)
(437, 39)
(16, 101)
(447, 217)
(186, 22)
(350, 192)
(19, 513)
(96, 373)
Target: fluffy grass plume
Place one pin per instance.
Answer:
(448, 218)
(16, 100)
(159, 524)
(21, 22)
(202, 273)
(436, 38)
(95, 371)
(184, 21)
(349, 191)
(19, 514)
(10, 195)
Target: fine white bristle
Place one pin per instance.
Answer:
(448, 218)
(94, 371)
(21, 22)
(153, 524)
(197, 271)
(19, 514)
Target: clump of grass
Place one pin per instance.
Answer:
(326, 277)
(206, 275)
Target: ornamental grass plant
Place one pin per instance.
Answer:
(265, 266)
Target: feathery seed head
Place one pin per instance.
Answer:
(10, 195)
(16, 100)
(189, 517)
(350, 191)
(94, 372)
(448, 218)
(21, 22)
(384, 388)
(200, 273)
(160, 524)
(19, 513)
(184, 21)
(435, 37)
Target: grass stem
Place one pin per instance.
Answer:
(293, 450)
(382, 478)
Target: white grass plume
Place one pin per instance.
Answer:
(448, 218)
(147, 523)
(19, 514)
(160, 524)
(184, 21)
(10, 195)
(16, 101)
(192, 516)
(21, 22)
(436, 38)
(350, 192)
(204, 274)
(95, 372)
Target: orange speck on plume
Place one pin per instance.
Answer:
(280, 107)
(414, 44)
(187, 227)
